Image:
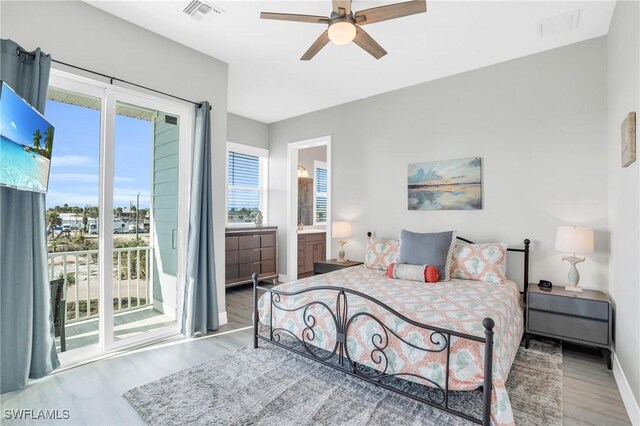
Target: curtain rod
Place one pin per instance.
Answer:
(20, 51)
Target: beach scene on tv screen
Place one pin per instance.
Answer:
(26, 141)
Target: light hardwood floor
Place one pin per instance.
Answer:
(93, 392)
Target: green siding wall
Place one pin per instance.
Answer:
(165, 210)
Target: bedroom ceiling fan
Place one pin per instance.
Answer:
(346, 26)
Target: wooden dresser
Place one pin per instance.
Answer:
(251, 250)
(311, 248)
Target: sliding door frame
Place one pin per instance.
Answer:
(109, 96)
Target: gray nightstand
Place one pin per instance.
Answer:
(583, 318)
(331, 265)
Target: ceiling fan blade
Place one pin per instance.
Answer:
(312, 19)
(341, 4)
(316, 46)
(365, 41)
(392, 11)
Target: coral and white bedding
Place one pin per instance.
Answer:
(457, 305)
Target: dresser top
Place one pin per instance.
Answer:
(249, 228)
(560, 291)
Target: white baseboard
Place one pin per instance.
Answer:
(222, 318)
(630, 403)
(283, 278)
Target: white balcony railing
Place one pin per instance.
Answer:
(132, 287)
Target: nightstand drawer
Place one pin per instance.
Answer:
(589, 330)
(570, 305)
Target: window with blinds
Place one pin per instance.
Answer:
(320, 194)
(245, 190)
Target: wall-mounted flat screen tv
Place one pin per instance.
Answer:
(26, 141)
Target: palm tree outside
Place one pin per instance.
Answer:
(37, 136)
(48, 141)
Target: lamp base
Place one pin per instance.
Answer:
(574, 288)
(341, 257)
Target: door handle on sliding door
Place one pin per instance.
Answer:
(173, 238)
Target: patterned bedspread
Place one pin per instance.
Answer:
(456, 305)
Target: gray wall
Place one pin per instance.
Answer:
(623, 96)
(80, 34)
(246, 131)
(538, 123)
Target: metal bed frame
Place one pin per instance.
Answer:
(439, 341)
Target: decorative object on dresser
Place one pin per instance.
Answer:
(341, 230)
(257, 217)
(250, 250)
(330, 265)
(584, 318)
(445, 185)
(574, 240)
(628, 139)
(312, 247)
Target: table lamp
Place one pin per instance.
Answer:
(341, 230)
(577, 241)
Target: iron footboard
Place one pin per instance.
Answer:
(439, 342)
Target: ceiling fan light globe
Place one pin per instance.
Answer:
(342, 33)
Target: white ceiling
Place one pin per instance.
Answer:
(268, 82)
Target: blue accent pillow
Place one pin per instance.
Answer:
(432, 248)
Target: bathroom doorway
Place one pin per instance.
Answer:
(309, 201)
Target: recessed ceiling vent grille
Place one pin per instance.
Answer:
(558, 24)
(200, 10)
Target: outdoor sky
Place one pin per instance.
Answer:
(75, 159)
(19, 121)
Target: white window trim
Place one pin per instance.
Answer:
(319, 165)
(263, 154)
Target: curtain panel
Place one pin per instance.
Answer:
(200, 311)
(27, 346)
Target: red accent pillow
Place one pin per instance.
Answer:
(431, 274)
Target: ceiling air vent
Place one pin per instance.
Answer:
(199, 10)
(558, 24)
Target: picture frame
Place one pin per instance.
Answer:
(628, 139)
(445, 185)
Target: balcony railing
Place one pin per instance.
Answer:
(132, 286)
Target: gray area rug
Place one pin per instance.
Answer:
(270, 386)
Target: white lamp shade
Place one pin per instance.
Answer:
(341, 229)
(572, 239)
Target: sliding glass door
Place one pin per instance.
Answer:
(136, 217)
(145, 239)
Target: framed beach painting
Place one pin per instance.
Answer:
(446, 185)
(628, 139)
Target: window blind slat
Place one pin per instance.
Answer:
(321, 195)
(244, 173)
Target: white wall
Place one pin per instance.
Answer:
(82, 35)
(306, 157)
(623, 96)
(537, 122)
(246, 131)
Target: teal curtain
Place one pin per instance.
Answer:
(200, 311)
(27, 346)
